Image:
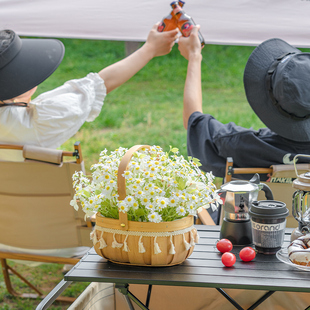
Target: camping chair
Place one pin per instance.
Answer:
(35, 209)
(280, 179)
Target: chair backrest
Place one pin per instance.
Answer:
(280, 179)
(35, 200)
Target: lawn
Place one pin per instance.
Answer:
(145, 110)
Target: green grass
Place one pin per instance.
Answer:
(45, 277)
(145, 110)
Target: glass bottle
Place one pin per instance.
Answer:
(169, 22)
(184, 21)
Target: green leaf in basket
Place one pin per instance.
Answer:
(174, 150)
(140, 212)
(194, 160)
(86, 193)
(181, 183)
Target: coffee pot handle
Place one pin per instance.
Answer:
(267, 190)
(262, 186)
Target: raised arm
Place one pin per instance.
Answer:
(157, 44)
(190, 48)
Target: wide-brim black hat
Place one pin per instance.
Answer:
(25, 63)
(276, 82)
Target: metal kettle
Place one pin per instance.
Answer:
(301, 202)
(237, 198)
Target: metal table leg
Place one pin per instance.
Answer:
(256, 304)
(123, 288)
(51, 297)
(264, 297)
(232, 301)
(148, 298)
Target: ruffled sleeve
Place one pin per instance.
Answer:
(58, 114)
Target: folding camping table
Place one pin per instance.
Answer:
(202, 269)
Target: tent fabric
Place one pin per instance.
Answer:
(236, 22)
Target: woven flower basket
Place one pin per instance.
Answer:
(142, 243)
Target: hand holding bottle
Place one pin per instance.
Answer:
(158, 43)
(190, 46)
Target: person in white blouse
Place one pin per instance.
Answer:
(55, 116)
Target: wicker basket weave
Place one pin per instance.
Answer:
(142, 243)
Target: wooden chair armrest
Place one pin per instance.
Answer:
(205, 217)
(38, 258)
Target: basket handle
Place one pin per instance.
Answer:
(121, 181)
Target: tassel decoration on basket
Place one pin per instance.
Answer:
(102, 243)
(156, 247)
(192, 239)
(172, 248)
(196, 237)
(93, 236)
(186, 244)
(115, 244)
(141, 247)
(126, 249)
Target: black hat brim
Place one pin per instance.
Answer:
(35, 62)
(257, 92)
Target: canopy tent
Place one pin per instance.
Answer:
(237, 22)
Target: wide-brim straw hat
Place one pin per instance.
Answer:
(25, 63)
(276, 82)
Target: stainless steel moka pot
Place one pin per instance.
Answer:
(237, 198)
(301, 202)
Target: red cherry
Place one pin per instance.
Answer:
(247, 254)
(224, 245)
(228, 259)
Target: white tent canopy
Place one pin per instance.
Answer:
(238, 22)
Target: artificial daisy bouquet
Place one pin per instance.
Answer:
(160, 186)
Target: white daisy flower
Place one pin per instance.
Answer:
(162, 202)
(145, 200)
(192, 198)
(154, 217)
(139, 194)
(74, 203)
(122, 206)
(192, 209)
(181, 210)
(127, 174)
(129, 200)
(150, 206)
(135, 205)
(173, 201)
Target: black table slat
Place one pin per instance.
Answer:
(297, 285)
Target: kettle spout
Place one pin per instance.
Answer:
(222, 194)
(220, 191)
